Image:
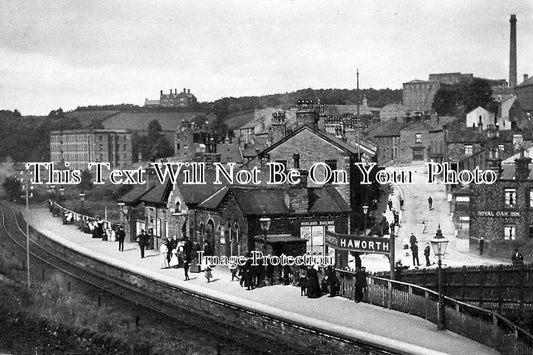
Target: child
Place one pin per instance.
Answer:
(208, 275)
(233, 269)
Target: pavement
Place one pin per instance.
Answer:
(415, 211)
(360, 320)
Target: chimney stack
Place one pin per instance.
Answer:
(184, 90)
(526, 76)
(188, 91)
(522, 167)
(512, 53)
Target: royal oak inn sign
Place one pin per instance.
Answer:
(375, 245)
(497, 214)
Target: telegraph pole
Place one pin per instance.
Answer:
(28, 226)
(358, 120)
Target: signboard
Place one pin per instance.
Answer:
(356, 243)
(497, 214)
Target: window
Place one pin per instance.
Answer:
(510, 197)
(469, 149)
(531, 198)
(418, 138)
(125, 147)
(509, 232)
(418, 153)
(296, 158)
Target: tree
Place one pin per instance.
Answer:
(478, 93)
(154, 131)
(446, 101)
(86, 180)
(162, 148)
(12, 187)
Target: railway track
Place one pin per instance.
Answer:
(164, 298)
(12, 228)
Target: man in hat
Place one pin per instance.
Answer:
(142, 239)
(121, 235)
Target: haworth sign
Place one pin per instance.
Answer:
(497, 214)
(356, 243)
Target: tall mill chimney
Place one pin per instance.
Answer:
(512, 53)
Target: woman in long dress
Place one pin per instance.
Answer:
(163, 250)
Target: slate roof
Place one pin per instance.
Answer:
(389, 129)
(327, 200)
(133, 197)
(366, 144)
(526, 83)
(260, 200)
(158, 195)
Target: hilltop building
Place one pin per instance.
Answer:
(173, 99)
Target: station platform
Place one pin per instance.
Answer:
(358, 319)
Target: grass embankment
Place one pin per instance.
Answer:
(77, 311)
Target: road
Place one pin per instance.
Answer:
(415, 211)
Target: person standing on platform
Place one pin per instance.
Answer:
(360, 284)
(414, 250)
(121, 235)
(313, 285)
(233, 269)
(426, 254)
(430, 203)
(270, 272)
(163, 251)
(186, 269)
(517, 258)
(481, 245)
(208, 275)
(142, 240)
(401, 203)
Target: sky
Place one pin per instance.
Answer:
(76, 53)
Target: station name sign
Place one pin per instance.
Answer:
(360, 244)
(497, 214)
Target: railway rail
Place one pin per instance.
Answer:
(170, 300)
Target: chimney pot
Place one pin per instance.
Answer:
(161, 93)
(188, 91)
(526, 76)
(184, 90)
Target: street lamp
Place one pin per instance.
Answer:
(82, 199)
(27, 181)
(365, 211)
(265, 226)
(439, 245)
(393, 234)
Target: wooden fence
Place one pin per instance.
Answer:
(476, 323)
(495, 287)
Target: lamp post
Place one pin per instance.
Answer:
(82, 199)
(265, 226)
(392, 246)
(365, 211)
(439, 245)
(27, 181)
